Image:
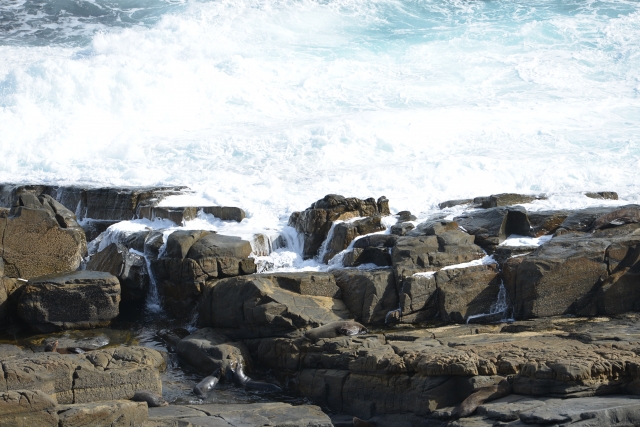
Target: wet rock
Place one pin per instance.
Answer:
(452, 203)
(116, 413)
(129, 268)
(379, 256)
(307, 283)
(369, 295)
(344, 233)
(192, 258)
(207, 350)
(581, 220)
(238, 414)
(609, 195)
(105, 374)
(433, 245)
(404, 216)
(76, 300)
(179, 215)
(546, 222)
(153, 242)
(136, 241)
(225, 213)
(492, 226)
(402, 228)
(26, 407)
(253, 306)
(316, 221)
(508, 199)
(40, 236)
(261, 245)
(93, 228)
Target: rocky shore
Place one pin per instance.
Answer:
(484, 313)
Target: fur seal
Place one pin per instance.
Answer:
(241, 379)
(618, 217)
(207, 384)
(484, 394)
(152, 399)
(52, 347)
(336, 329)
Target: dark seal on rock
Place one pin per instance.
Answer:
(243, 380)
(336, 329)
(618, 217)
(152, 399)
(207, 384)
(484, 394)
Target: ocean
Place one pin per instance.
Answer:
(271, 104)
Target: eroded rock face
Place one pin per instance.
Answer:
(492, 226)
(253, 306)
(117, 413)
(106, 374)
(307, 283)
(76, 300)
(40, 236)
(316, 221)
(129, 268)
(369, 295)
(26, 407)
(344, 233)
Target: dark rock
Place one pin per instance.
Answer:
(76, 300)
(219, 246)
(129, 268)
(122, 204)
(508, 199)
(306, 283)
(9, 294)
(179, 215)
(492, 226)
(581, 220)
(93, 228)
(419, 294)
(609, 195)
(379, 256)
(546, 222)
(402, 229)
(208, 350)
(404, 216)
(344, 233)
(136, 241)
(433, 245)
(452, 203)
(369, 295)
(180, 242)
(154, 240)
(376, 240)
(39, 236)
(316, 221)
(225, 213)
(253, 306)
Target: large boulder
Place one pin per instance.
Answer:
(190, 259)
(40, 236)
(27, 408)
(345, 232)
(433, 245)
(315, 222)
(76, 300)
(369, 295)
(492, 226)
(253, 306)
(130, 268)
(207, 350)
(374, 249)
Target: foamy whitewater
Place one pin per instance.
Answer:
(271, 104)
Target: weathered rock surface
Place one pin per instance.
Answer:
(374, 249)
(546, 222)
(106, 374)
(130, 269)
(307, 283)
(492, 226)
(316, 221)
(116, 413)
(76, 300)
(433, 245)
(508, 199)
(192, 258)
(579, 274)
(40, 236)
(610, 195)
(27, 408)
(241, 415)
(369, 295)
(253, 306)
(208, 350)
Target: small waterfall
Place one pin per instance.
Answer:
(500, 306)
(153, 298)
(323, 248)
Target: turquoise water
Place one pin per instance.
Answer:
(271, 104)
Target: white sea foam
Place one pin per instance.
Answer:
(271, 104)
